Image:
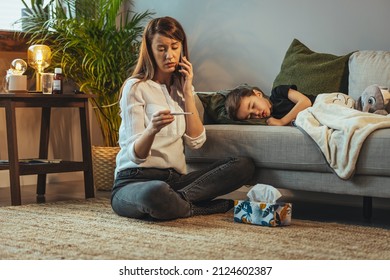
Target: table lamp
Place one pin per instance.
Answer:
(39, 57)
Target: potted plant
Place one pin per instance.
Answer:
(96, 43)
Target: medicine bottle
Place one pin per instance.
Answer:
(57, 81)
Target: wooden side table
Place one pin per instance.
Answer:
(11, 101)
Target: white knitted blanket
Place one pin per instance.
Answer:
(339, 130)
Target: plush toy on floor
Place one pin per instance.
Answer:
(374, 99)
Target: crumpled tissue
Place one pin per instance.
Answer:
(264, 193)
(262, 208)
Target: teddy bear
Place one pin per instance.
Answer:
(374, 99)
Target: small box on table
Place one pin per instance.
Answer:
(262, 213)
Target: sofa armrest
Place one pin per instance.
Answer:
(199, 107)
(204, 117)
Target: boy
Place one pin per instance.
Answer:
(281, 108)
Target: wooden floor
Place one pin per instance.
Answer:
(54, 192)
(335, 208)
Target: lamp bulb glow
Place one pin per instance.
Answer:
(39, 57)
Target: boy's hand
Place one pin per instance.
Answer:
(275, 122)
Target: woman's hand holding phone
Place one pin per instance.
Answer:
(188, 74)
(185, 68)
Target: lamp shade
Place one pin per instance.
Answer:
(39, 57)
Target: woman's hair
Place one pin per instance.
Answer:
(165, 26)
(233, 100)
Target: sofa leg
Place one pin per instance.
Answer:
(367, 208)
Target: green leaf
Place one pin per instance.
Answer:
(96, 43)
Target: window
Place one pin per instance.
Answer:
(10, 12)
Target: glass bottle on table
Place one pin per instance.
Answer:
(57, 81)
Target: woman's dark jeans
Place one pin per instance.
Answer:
(165, 194)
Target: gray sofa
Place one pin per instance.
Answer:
(287, 158)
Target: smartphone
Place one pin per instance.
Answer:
(180, 60)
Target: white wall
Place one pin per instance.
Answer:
(233, 42)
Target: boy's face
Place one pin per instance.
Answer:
(254, 107)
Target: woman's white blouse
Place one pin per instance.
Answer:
(138, 102)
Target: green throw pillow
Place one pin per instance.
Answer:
(214, 106)
(313, 73)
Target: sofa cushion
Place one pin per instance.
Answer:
(313, 72)
(280, 147)
(367, 68)
(287, 148)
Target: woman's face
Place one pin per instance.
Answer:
(254, 107)
(166, 52)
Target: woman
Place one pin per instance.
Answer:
(159, 117)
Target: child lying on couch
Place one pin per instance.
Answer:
(281, 108)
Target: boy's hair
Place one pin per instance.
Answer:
(233, 100)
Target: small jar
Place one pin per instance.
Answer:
(57, 81)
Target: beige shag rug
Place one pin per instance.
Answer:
(89, 229)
